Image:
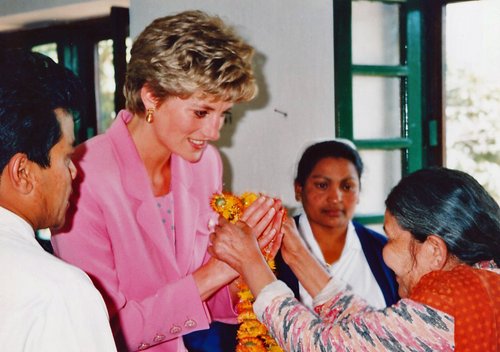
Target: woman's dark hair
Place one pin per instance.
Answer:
(328, 149)
(31, 88)
(452, 205)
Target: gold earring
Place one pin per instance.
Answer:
(149, 115)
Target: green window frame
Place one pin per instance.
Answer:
(413, 138)
(76, 48)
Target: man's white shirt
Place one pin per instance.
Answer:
(45, 303)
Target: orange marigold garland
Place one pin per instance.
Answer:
(252, 334)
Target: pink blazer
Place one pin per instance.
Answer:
(114, 233)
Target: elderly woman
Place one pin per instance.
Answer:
(142, 215)
(444, 246)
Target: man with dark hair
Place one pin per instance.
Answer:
(45, 304)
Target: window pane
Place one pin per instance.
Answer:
(473, 92)
(49, 49)
(375, 33)
(105, 86)
(382, 172)
(128, 45)
(376, 107)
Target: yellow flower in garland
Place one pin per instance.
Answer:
(252, 334)
(227, 205)
(246, 296)
(248, 198)
(251, 328)
(250, 344)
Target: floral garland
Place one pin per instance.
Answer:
(252, 334)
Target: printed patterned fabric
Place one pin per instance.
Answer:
(472, 297)
(347, 323)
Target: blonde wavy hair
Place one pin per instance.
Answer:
(187, 53)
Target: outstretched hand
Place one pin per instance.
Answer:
(234, 244)
(292, 243)
(237, 245)
(296, 254)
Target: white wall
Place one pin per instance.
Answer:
(294, 44)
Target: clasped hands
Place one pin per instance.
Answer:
(255, 239)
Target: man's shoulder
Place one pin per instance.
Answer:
(36, 272)
(43, 292)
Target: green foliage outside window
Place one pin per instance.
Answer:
(106, 85)
(473, 128)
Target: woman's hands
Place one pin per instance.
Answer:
(234, 244)
(293, 245)
(240, 245)
(259, 229)
(264, 211)
(261, 223)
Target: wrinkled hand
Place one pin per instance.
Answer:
(311, 274)
(234, 244)
(258, 230)
(292, 243)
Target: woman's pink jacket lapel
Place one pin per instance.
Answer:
(130, 260)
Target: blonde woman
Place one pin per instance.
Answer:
(142, 217)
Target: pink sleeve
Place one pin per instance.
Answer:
(149, 299)
(172, 309)
(220, 306)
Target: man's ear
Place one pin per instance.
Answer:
(148, 98)
(20, 171)
(298, 191)
(438, 252)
